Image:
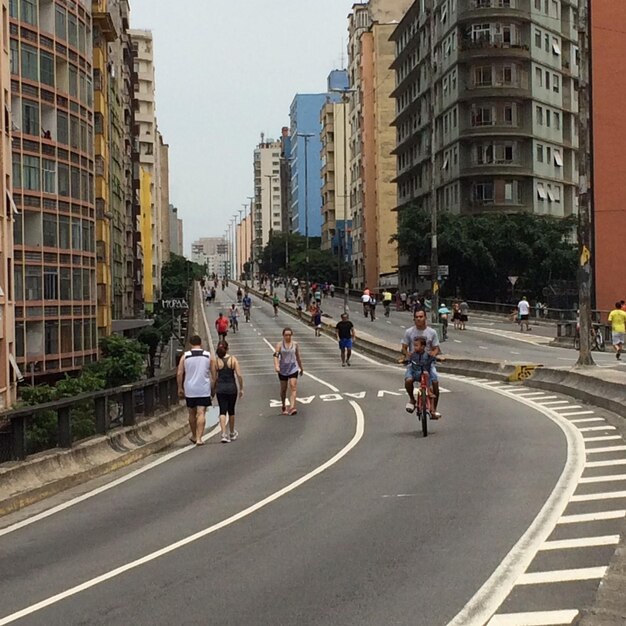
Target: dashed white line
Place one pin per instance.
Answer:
(590, 497)
(562, 575)
(591, 517)
(582, 542)
(535, 618)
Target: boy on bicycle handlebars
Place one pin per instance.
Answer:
(419, 344)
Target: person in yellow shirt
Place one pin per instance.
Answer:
(617, 319)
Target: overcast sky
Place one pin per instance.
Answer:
(227, 70)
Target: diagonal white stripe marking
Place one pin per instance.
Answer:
(591, 517)
(605, 463)
(589, 429)
(562, 575)
(573, 413)
(587, 419)
(537, 618)
(568, 407)
(590, 497)
(606, 449)
(582, 542)
(609, 478)
(603, 438)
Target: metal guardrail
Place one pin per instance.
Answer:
(143, 398)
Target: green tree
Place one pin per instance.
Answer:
(151, 338)
(178, 275)
(122, 360)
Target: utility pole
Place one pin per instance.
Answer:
(244, 237)
(252, 238)
(271, 178)
(434, 252)
(585, 244)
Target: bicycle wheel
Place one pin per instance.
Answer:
(599, 340)
(424, 412)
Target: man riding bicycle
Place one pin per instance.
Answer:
(247, 306)
(233, 315)
(432, 350)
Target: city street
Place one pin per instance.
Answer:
(340, 514)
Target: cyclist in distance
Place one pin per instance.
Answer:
(239, 295)
(247, 306)
(421, 330)
(233, 314)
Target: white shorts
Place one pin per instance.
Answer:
(618, 338)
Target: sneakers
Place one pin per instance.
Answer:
(233, 435)
(343, 364)
(618, 355)
(435, 415)
(348, 364)
(225, 438)
(410, 407)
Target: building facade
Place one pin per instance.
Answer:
(52, 116)
(285, 180)
(9, 372)
(163, 151)
(374, 192)
(175, 231)
(487, 113)
(266, 214)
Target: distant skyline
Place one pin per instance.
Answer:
(218, 89)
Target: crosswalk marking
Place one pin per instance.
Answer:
(589, 429)
(535, 618)
(605, 463)
(591, 517)
(562, 575)
(587, 419)
(606, 449)
(603, 438)
(582, 542)
(576, 412)
(589, 497)
(609, 478)
(568, 407)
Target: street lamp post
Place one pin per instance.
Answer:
(306, 137)
(240, 253)
(252, 238)
(271, 178)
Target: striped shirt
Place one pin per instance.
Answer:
(197, 374)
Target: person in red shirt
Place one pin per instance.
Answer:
(221, 325)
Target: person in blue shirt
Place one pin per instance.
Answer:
(247, 306)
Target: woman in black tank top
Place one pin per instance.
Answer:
(226, 374)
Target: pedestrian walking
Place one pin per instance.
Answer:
(275, 303)
(221, 326)
(523, 310)
(332, 290)
(194, 385)
(463, 315)
(365, 301)
(317, 320)
(228, 385)
(372, 307)
(288, 366)
(345, 336)
(456, 315)
(617, 319)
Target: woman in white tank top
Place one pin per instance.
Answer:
(288, 366)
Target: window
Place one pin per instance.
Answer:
(30, 117)
(46, 68)
(548, 154)
(548, 117)
(49, 175)
(482, 193)
(61, 23)
(539, 76)
(539, 153)
(482, 116)
(49, 230)
(538, 5)
(505, 75)
(550, 194)
(557, 120)
(30, 69)
(75, 188)
(74, 132)
(555, 83)
(31, 173)
(17, 170)
(508, 192)
(78, 337)
(33, 283)
(72, 30)
(28, 11)
(64, 232)
(541, 192)
(13, 11)
(557, 193)
(538, 38)
(546, 42)
(52, 337)
(62, 128)
(556, 49)
(558, 160)
(73, 81)
(76, 239)
(547, 79)
(66, 283)
(15, 57)
(64, 180)
(509, 115)
(482, 76)
(539, 115)
(50, 283)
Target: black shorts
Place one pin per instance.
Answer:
(227, 402)
(463, 318)
(193, 403)
(523, 318)
(283, 377)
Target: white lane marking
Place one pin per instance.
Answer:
(541, 401)
(111, 485)
(457, 341)
(590, 429)
(569, 407)
(552, 403)
(513, 352)
(591, 517)
(582, 542)
(483, 347)
(562, 575)
(577, 413)
(605, 463)
(535, 618)
(495, 590)
(602, 438)
(536, 395)
(608, 478)
(358, 435)
(582, 420)
(606, 449)
(590, 497)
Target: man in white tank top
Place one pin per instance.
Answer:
(194, 384)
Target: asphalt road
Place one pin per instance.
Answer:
(398, 530)
(485, 337)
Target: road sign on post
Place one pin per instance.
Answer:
(424, 270)
(513, 280)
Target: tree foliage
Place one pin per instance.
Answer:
(483, 251)
(178, 275)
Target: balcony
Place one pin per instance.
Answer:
(470, 49)
(513, 89)
(497, 9)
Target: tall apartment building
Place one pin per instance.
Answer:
(335, 165)
(175, 231)
(163, 152)
(126, 247)
(8, 365)
(146, 172)
(108, 210)
(285, 179)
(52, 115)
(266, 216)
(490, 107)
(243, 240)
(374, 192)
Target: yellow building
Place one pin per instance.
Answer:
(103, 33)
(145, 196)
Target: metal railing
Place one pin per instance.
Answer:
(130, 404)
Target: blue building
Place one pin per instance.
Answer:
(306, 128)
